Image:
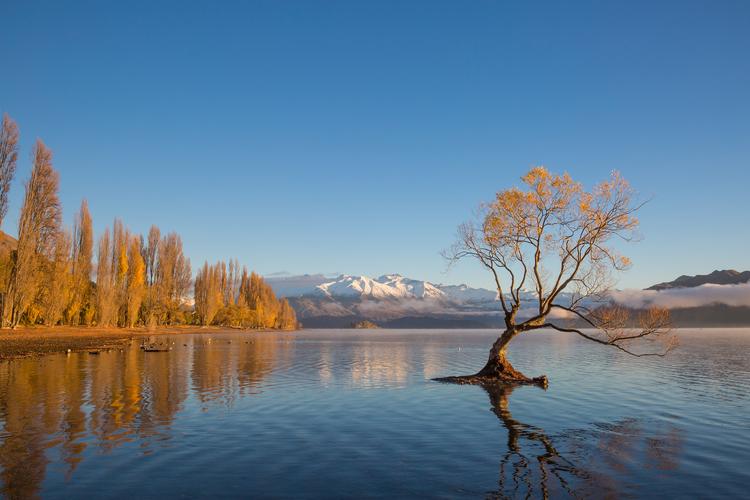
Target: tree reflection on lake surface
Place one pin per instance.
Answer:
(533, 465)
(80, 400)
(351, 414)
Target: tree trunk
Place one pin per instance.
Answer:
(498, 368)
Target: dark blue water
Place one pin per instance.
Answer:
(333, 414)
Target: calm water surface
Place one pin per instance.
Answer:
(354, 414)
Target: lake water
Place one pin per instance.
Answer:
(326, 413)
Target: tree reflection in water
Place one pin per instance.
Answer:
(115, 398)
(594, 462)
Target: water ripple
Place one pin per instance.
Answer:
(356, 414)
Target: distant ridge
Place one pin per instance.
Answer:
(396, 301)
(725, 277)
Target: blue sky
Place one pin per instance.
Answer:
(353, 137)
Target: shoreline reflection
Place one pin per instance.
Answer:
(68, 403)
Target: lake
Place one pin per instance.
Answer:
(353, 413)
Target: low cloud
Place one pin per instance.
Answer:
(704, 295)
(389, 309)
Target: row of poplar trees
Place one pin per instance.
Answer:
(47, 276)
(226, 296)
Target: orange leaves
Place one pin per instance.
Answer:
(136, 265)
(549, 191)
(536, 175)
(585, 201)
(616, 184)
(557, 235)
(555, 232)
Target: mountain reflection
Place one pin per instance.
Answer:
(375, 364)
(576, 463)
(81, 400)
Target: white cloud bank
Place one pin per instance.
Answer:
(704, 295)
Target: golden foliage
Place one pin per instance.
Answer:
(555, 236)
(79, 310)
(48, 276)
(247, 302)
(136, 281)
(8, 158)
(38, 227)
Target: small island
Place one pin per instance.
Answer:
(364, 324)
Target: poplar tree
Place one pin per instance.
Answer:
(80, 309)
(8, 157)
(56, 280)
(120, 240)
(287, 319)
(38, 226)
(208, 294)
(173, 278)
(150, 253)
(136, 281)
(48, 276)
(105, 283)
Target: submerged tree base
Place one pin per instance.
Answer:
(478, 379)
(497, 371)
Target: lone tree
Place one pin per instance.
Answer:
(554, 238)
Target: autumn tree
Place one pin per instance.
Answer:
(287, 318)
(224, 296)
(208, 295)
(55, 287)
(80, 309)
(556, 238)
(150, 252)
(259, 298)
(38, 226)
(136, 281)
(106, 292)
(8, 158)
(173, 278)
(120, 242)
(48, 276)
(231, 281)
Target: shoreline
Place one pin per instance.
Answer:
(38, 341)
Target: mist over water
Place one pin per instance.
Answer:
(324, 413)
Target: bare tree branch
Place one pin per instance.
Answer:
(555, 224)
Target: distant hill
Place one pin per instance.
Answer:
(711, 316)
(725, 277)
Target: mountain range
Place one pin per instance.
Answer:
(390, 300)
(725, 277)
(721, 298)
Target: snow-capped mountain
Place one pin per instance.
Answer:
(465, 294)
(388, 286)
(335, 301)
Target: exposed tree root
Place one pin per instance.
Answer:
(498, 370)
(478, 379)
